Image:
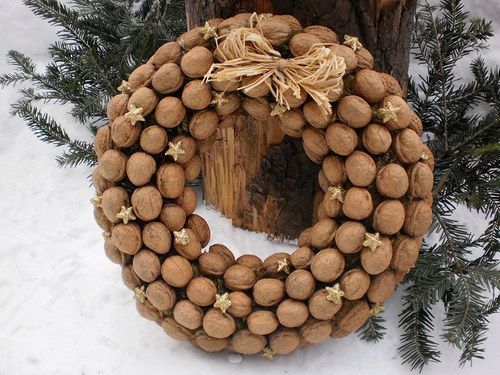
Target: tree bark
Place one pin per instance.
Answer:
(255, 175)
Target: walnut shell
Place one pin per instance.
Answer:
(354, 111)
(101, 219)
(354, 283)
(405, 254)
(176, 271)
(350, 58)
(170, 180)
(246, 342)
(225, 86)
(365, 59)
(210, 344)
(284, 341)
(376, 139)
(370, 85)
(418, 218)
(196, 95)
(192, 168)
(191, 39)
(262, 322)
(241, 304)
(141, 76)
(392, 85)
(300, 284)
(198, 225)
(157, 237)
(301, 43)
(295, 100)
(113, 254)
(188, 201)
(170, 112)
(323, 233)
(238, 277)
(292, 122)
(352, 317)
(251, 261)
(140, 168)
(161, 295)
(218, 325)
(301, 258)
(129, 278)
(175, 330)
(147, 310)
(233, 103)
(146, 265)
(117, 106)
(224, 252)
(358, 204)
(99, 183)
(314, 139)
(421, 180)
(211, 264)
(360, 168)
(123, 133)
(327, 265)
(268, 292)
(112, 165)
(144, 98)
(173, 217)
(196, 62)
(341, 138)
(314, 116)
(334, 169)
(392, 181)
(403, 115)
(201, 291)
(388, 217)
(277, 32)
(147, 202)
(378, 260)
(168, 79)
(192, 249)
(153, 139)
(324, 34)
(321, 308)
(127, 238)
(103, 141)
(408, 146)
(291, 21)
(112, 201)
(187, 314)
(315, 331)
(262, 89)
(170, 52)
(203, 124)
(292, 313)
(305, 237)
(350, 237)
(258, 108)
(382, 287)
(331, 207)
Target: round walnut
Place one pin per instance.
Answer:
(300, 284)
(241, 304)
(140, 168)
(420, 180)
(268, 292)
(321, 308)
(350, 237)
(377, 260)
(141, 77)
(188, 315)
(301, 258)
(218, 325)
(211, 264)
(210, 344)
(246, 342)
(418, 218)
(103, 141)
(117, 106)
(161, 295)
(173, 217)
(327, 265)
(176, 271)
(170, 112)
(203, 124)
(113, 199)
(196, 62)
(251, 261)
(276, 31)
(354, 111)
(358, 203)
(292, 313)
(382, 287)
(376, 139)
(405, 253)
(292, 122)
(147, 202)
(360, 168)
(341, 138)
(301, 43)
(201, 291)
(316, 331)
(168, 79)
(314, 116)
(170, 180)
(408, 146)
(196, 95)
(190, 247)
(144, 98)
(146, 265)
(403, 113)
(392, 181)
(350, 58)
(389, 216)
(238, 277)
(200, 227)
(262, 322)
(323, 233)
(354, 283)
(112, 165)
(170, 52)
(153, 139)
(156, 237)
(284, 341)
(369, 84)
(127, 238)
(123, 133)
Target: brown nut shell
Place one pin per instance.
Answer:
(354, 283)
(354, 111)
(358, 204)
(382, 287)
(217, 324)
(201, 291)
(406, 250)
(360, 168)
(112, 165)
(350, 237)
(127, 238)
(196, 62)
(376, 139)
(157, 237)
(241, 304)
(147, 202)
(392, 181)
(196, 95)
(187, 314)
(388, 217)
(262, 322)
(168, 79)
(153, 139)
(161, 295)
(418, 218)
(173, 217)
(323, 233)
(146, 265)
(301, 258)
(341, 139)
(268, 292)
(327, 265)
(408, 146)
(238, 277)
(421, 180)
(378, 260)
(170, 112)
(284, 341)
(321, 308)
(292, 313)
(246, 342)
(170, 180)
(370, 85)
(315, 331)
(176, 271)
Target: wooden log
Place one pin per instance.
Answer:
(254, 174)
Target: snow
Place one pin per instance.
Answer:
(64, 308)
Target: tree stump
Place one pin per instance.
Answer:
(252, 172)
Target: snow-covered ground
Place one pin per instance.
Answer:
(63, 307)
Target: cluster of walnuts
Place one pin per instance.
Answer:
(376, 176)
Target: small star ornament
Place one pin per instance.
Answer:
(106, 234)
(352, 42)
(97, 200)
(181, 237)
(208, 31)
(389, 112)
(175, 150)
(126, 214)
(219, 100)
(124, 87)
(424, 157)
(284, 266)
(222, 302)
(134, 114)
(268, 353)
(277, 109)
(338, 193)
(377, 309)
(372, 241)
(140, 295)
(335, 294)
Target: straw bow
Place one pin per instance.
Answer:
(246, 52)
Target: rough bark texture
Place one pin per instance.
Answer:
(252, 173)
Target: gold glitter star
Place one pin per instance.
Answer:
(126, 214)
(277, 109)
(268, 353)
(208, 31)
(97, 200)
(389, 112)
(338, 193)
(222, 302)
(174, 150)
(219, 100)
(139, 294)
(372, 241)
(124, 87)
(106, 234)
(334, 293)
(284, 266)
(263, 16)
(424, 157)
(352, 42)
(181, 236)
(134, 114)
(376, 309)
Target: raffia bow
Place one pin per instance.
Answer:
(248, 53)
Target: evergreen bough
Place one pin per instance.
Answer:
(100, 41)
